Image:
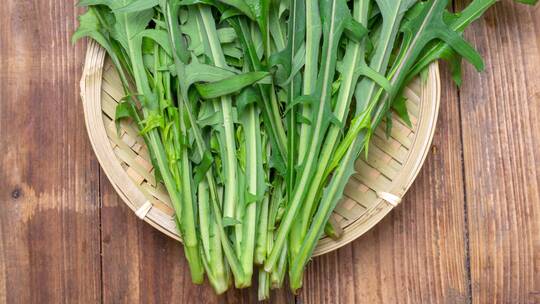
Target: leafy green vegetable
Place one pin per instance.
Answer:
(253, 125)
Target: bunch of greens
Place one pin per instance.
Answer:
(255, 111)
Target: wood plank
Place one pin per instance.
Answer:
(49, 190)
(142, 265)
(501, 135)
(418, 253)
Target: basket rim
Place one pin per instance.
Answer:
(91, 86)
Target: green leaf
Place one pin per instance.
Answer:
(304, 120)
(213, 119)
(297, 63)
(276, 27)
(128, 26)
(229, 13)
(126, 30)
(194, 2)
(226, 35)
(229, 85)
(89, 26)
(161, 37)
(232, 51)
(152, 121)
(355, 30)
(441, 50)
(137, 6)
(260, 11)
(230, 221)
(400, 106)
(427, 26)
(291, 59)
(202, 167)
(95, 2)
(199, 72)
(178, 45)
(247, 96)
(277, 163)
(370, 73)
(124, 110)
(242, 6)
(252, 198)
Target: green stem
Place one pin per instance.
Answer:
(211, 244)
(255, 182)
(313, 38)
(188, 225)
(320, 123)
(280, 268)
(269, 105)
(177, 49)
(262, 233)
(354, 56)
(332, 195)
(366, 98)
(264, 286)
(208, 30)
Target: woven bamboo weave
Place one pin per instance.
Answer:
(376, 188)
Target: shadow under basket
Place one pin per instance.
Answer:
(377, 187)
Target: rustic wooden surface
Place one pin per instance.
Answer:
(468, 231)
(501, 140)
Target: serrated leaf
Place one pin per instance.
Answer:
(400, 106)
(152, 121)
(123, 110)
(212, 119)
(355, 30)
(378, 78)
(252, 198)
(440, 50)
(247, 96)
(198, 72)
(161, 37)
(229, 85)
(426, 26)
(202, 167)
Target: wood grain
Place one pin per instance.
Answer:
(417, 254)
(501, 136)
(49, 190)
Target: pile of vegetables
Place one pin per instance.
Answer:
(255, 111)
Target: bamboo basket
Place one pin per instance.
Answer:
(371, 194)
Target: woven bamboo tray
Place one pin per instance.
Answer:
(372, 193)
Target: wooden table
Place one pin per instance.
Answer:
(469, 229)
